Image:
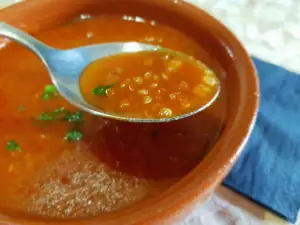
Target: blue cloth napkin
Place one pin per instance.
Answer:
(268, 171)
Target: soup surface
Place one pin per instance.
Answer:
(156, 84)
(56, 161)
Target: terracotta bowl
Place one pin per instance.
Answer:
(227, 57)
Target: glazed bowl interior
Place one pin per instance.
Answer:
(219, 49)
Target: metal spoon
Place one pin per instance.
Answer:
(66, 66)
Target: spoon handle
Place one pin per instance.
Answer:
(23, 38)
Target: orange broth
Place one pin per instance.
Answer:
(154, 84)
(101, 165)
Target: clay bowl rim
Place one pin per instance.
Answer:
(197, 183)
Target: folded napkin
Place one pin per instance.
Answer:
(268, 171)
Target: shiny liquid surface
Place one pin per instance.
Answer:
(155, 84)
(58, 162)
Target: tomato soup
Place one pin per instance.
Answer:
(157, 84)
(59, 162)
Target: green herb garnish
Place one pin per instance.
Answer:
(49, 92)
(62, 114)
(20, 108)
(74, 136)
(50, 116)
(101, 90)
(12, 146)
(74, 117)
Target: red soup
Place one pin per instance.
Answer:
(57, 161)
(157, 84)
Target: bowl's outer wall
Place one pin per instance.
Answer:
(228, 57)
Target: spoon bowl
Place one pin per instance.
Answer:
(66, 66)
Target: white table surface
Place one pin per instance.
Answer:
(270, 30)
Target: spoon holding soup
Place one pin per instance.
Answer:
(127, 81)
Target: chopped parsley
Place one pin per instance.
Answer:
(61, 114)
(49, 92)
(73, 117)
(65, 115)
(101, 90)
(50, 116)
(20, 108)
(12, 146)
(74, 136)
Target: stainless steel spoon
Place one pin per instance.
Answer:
(66, 66)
